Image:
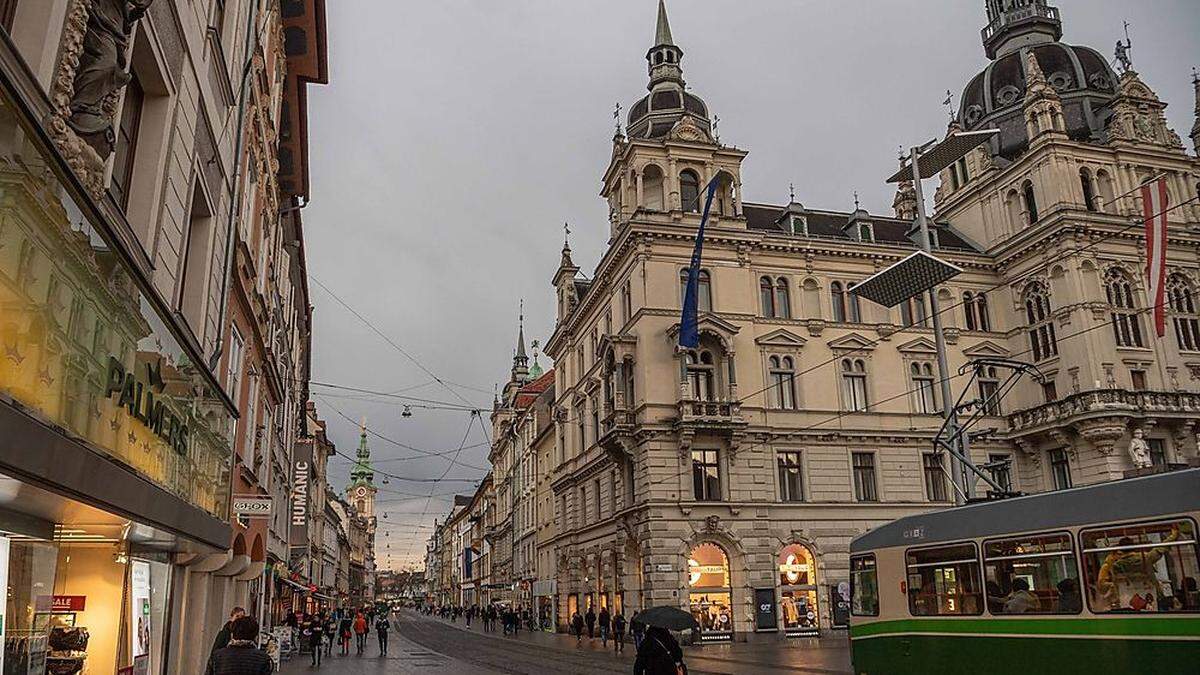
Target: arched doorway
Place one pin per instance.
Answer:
(798, 591)
(709, 594)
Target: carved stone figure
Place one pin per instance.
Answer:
(103, 70)
(1139, 450)
(1122, 55)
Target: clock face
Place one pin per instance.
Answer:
(362, 491)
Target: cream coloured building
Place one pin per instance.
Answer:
(730, 479)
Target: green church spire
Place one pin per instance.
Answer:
(362, 473)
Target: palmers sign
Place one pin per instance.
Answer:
(137, 396)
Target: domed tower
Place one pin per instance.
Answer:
(655, 114)
(1080, 76)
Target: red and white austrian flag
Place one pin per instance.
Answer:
(1154, 211)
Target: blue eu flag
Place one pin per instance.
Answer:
(689, 335)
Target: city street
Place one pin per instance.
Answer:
(430, 645)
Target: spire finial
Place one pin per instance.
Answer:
(566, 236)
(949, 103)
(662, 32)
(362, 425)
(856, 207)
(791, 193)
(716, 121)
(617, 117)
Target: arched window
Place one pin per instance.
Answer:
(1012, 204)
(1042, 340)
(652, 188)
(798, 602)
(913, 312)
(853, 313)
(924, 399)
(766, 295)
(701, 374)
(968, 304)
(1031, 209)
(783, 299)
(709, 597)
(689, 191)
(1107, 195)
(1183, 312)
(783, 382)
(838, 297)
(981, 312)
(989, 390)
(1127, 329)
(1089, 191)
(854, 385)
(703, 289)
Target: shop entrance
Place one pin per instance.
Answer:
(709, 594)
(798, 591)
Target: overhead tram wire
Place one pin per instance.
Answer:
(406, 446)
(425, 510)
(387, 339)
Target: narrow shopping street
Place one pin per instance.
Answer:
(434, 646)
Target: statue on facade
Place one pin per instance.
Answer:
(1122, 55)
(1139, 450)
(103, 70)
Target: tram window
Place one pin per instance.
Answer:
(864, 586)
(1145, 568)
(944, 581)
(1033, 574)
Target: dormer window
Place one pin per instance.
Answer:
(866, 232)
(799, 225)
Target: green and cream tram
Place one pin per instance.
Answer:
(1096, 579)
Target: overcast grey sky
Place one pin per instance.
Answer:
(456, 136)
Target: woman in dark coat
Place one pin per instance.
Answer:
(659, 654)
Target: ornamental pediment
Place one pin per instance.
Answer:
(986, 349)
(921, 345)
(709, 322)
(852, 341)
(781, 338)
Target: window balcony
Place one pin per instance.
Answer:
(1105, 403)
(722, 418)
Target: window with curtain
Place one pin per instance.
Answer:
(701, 374)
(706, 476)
(1001, 470)
(924, 400)
(935, 477)
(1042, 340)
(863, 464)
(853, 313)
(1123, 315)
(854, 384)
(975, 311)
(703, 289)
(783, 385)
(913, 313)
(783, 299)
(1182, 306)
(791, 487)
(989, 390)
(837, 297)
(1060, 469)
(766, 296)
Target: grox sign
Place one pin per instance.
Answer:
(139, 398)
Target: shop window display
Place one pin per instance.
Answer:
(709, 596)
(798, 591)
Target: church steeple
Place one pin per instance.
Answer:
(1196, 127)
(1013, 24)
(520, 368)
(663, 58)
(362, 473)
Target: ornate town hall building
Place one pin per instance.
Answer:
(730, 479)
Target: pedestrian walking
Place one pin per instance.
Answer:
(605, 620)
(659, 654)
(577, 627)
(639, 631)
(241, 656)
(618, 632)
(590, 620)
(382, 626)
(345, 627)
(360, 633)
(331, 631)
(226, 632)
(312, 630)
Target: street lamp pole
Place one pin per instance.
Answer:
(963, 489)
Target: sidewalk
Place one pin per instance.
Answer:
(822, 656)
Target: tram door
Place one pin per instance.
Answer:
(798, 591)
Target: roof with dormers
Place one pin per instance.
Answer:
(822, 224)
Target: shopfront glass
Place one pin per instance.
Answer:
(84, 348)
(709, 594)
(798, 591)
(82, 600)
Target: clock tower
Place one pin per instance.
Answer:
(361, 491)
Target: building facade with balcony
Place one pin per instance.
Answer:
(729, 479)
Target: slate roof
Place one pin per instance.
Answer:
(832, 225)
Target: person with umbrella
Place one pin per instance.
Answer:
(659, 652)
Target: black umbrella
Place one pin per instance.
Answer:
(671, 618)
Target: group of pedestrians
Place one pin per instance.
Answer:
(236, 652)
(610, 626)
